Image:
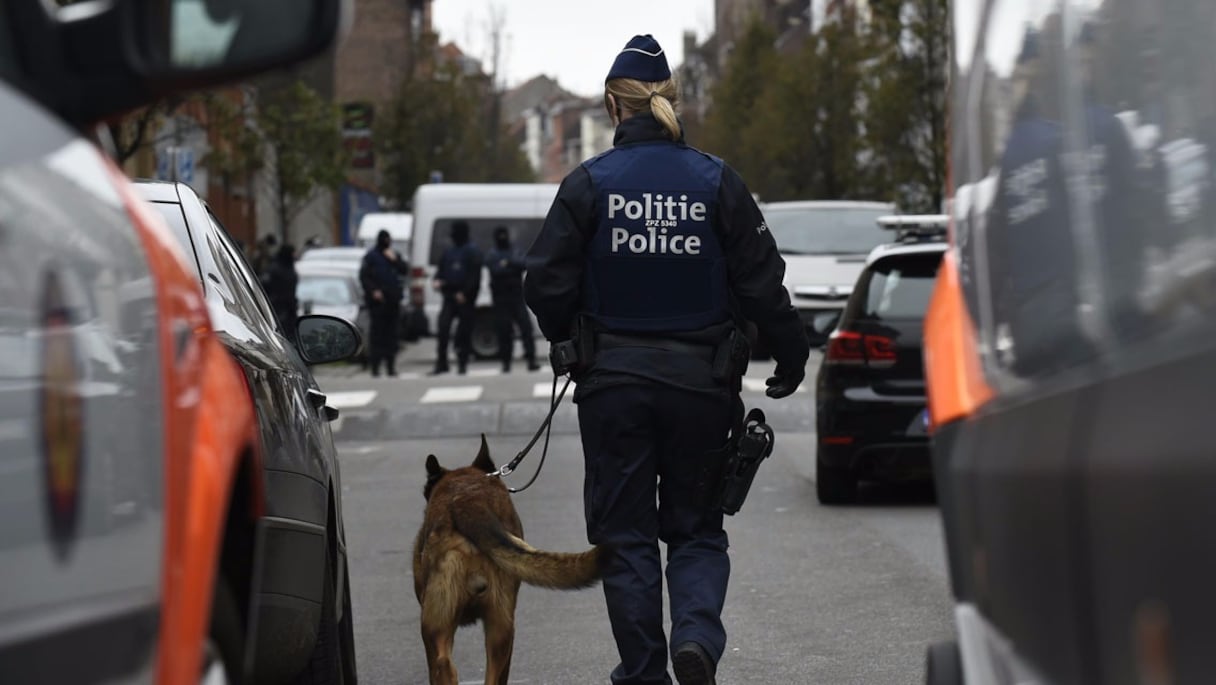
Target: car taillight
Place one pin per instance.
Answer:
(850, 348)
(845, 348)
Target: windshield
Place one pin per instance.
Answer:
(324, 290)
(826, 230)
(900, 288)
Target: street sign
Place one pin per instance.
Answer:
(185, 164)
(164, 161)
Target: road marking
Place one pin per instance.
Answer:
(468, 393)
(350, 400)
(754, 385)
(483, 373)
(545, 389)
(760, 385)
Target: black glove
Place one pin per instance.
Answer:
(784, 382)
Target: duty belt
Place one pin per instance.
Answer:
(607, 341)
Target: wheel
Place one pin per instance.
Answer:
(485, 336)
(222, 653)
(833, 485)
(943, 665)
(325, 666)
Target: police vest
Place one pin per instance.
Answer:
(655, 264)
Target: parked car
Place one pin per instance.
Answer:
(871, 415)
(343, 256)
(129, 475)
(333, 291)
(824, 244)
(300, 589)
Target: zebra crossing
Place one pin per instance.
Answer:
(452, 389)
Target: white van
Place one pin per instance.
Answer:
(825, 245)
(399, 225)
(521, 207)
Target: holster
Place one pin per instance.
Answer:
(746, 449)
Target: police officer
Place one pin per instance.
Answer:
(458, 279)
(657, 249)
(506, 267)
(380, 276)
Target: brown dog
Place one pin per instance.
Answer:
(469, 559)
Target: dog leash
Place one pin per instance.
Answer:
(546, 427)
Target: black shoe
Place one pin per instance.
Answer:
(438, 371)
(533, 366)
(506, 368)
(461, 369)
(692, 665)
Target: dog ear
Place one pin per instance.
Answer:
(483, 460)
(434, 473)
(433, 468)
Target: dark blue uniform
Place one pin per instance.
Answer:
(378, 272)
(506, 268)
(460, 272)
(658, 243)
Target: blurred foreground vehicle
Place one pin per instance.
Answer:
(300, 593)
(130, 481)
(870, 408)
(1071, 342)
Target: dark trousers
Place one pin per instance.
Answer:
(385, 317)
(463, 313)
(638, 439)
(511, 313)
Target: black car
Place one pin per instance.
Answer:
(300, 589)
(870, 394)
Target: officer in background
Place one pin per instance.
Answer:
(657, 250)
(506, 267)
(458, 280)
(380, 275)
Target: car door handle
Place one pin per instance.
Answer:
(317, 398)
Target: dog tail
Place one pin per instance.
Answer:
(555, 570)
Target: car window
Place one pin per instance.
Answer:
(244, 304)
(247, 282)
(481, 233)
(812, 230)
(325, 290)
(172, 212)
(899, 288)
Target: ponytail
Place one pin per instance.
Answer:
(665, 112)
(660, 98)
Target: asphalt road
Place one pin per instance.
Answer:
(818, 595)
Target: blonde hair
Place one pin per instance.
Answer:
(660, 98)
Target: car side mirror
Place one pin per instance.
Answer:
(324, 339)
(101, 59)
(222, 37)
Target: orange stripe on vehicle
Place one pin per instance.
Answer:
(205, 434)
(955, 380)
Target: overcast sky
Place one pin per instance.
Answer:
(572, 41)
